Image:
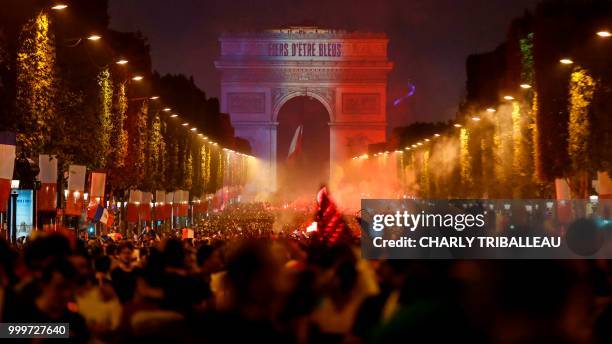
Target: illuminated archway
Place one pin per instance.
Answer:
(307, 170)
(345, 72)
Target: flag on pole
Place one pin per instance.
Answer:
(296, 144)
(99, 211)
(98, 184)
(91, 210)
(7, 163)
(46, 198)
(107, 218)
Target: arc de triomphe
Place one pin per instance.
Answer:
(346, 72)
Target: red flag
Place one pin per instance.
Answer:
(296, 144)
(331, 226)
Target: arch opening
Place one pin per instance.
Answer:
(301, 174)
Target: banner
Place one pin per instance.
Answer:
(168, 204)
(7, 164)
(133, 205)
(160, 209)
(98, 185)
(76, 178)
(183, 206)
(74, 203)
(145, 206)
(46, 198)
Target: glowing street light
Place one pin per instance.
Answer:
(137, 77)
(407, 148)
(508, 97)
(437, 135)
(426, 140)
(457, 125)
(194, 129)
(173, 115)
(154, 97)
(491, 110)
(59, 7)
(604, 34)
(476, 118)
(414, 146)
(566, 61)
(185, 124)
(419, 143)
(121, 62)
(167, 109)
(94, 37)
(525, 86)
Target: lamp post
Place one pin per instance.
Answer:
(13, 221)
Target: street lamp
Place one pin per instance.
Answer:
(604, 34)
(194, 129)
(491, 110)
(94, 37)
(508, 97)
(566, 61)
(121, 61)
(476, 118)
(137, 77)
(525, 86)
(154, 97)
(59, 7)
(173, 115)
(185, 124)
(167, 109)
(457, 125)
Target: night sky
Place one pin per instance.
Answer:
(429, 39)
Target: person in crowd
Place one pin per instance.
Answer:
(244, 278)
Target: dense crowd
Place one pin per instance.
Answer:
(238, 280)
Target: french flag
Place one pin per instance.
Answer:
(7, 163)
(296, 144)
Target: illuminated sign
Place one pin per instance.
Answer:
(25, 212)
(305, 49)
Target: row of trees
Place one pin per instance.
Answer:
(545, 121)
(65, 95)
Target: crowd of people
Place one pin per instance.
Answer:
(240, 280)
